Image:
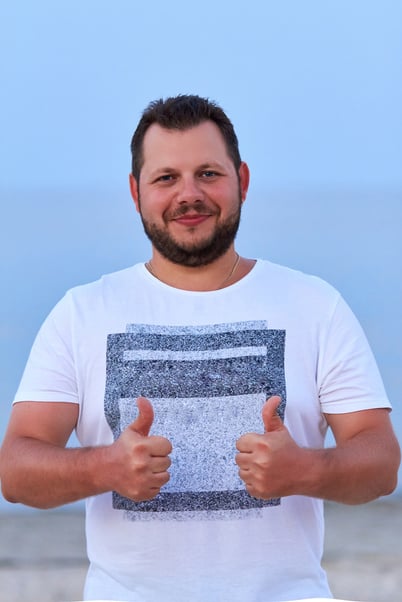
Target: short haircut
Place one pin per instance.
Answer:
(181, 113)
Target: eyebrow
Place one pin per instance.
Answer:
(212, 165)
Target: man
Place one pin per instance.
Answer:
(218, 352)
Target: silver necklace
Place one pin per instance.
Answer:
(148, 265)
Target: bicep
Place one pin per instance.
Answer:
(50, 422)
(347, 426)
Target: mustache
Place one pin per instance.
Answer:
(200, 208)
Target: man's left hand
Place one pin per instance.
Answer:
(266, 462)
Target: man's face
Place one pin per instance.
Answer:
(189, 194)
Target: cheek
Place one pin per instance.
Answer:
(153, 207)
(229, 201)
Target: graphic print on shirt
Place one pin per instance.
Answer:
(207, 385)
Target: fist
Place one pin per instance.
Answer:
(141, 461)
(264, 460)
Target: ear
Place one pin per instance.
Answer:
(134, 191)
(244, 179)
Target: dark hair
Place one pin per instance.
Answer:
(181, 113)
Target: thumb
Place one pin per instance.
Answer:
(142, 424)
(271, 420)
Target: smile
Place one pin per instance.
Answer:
(192, 220)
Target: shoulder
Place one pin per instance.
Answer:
(93, 297)
(300, 285)
(115, 281)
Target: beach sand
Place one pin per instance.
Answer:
(42, 553)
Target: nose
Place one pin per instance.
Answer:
(190, 190)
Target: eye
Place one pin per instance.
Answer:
(209, 173)
(165, 178)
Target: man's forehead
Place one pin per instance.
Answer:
(204, 137)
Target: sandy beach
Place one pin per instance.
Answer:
(42, 553)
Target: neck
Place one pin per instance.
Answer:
(221, 273)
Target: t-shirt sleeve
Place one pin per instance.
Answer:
(50, 374)
(348, 376)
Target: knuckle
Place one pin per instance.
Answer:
(141, 465)
(165, 479)
(140, 447)
(262, 446)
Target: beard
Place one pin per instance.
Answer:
(194, 254)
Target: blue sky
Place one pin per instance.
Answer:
(314, 90)
(313, 87)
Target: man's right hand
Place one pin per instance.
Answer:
(140, 461)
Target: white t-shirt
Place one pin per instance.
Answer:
(207, 361)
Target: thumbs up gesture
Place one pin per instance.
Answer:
(266, 462)
(140, 462)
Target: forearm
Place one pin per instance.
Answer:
(43, 475)
(354, 472)
(38, 470)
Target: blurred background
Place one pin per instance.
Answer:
(314, 90)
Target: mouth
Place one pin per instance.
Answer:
(191, 220)
(191, 215)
